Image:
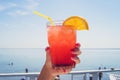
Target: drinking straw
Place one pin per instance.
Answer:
(44, 16)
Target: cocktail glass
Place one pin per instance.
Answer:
(61, 40)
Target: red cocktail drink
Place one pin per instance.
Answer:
(61, 40)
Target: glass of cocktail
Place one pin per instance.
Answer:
(61, 39)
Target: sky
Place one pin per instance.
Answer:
(20, 28)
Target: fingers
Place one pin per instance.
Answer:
(67, 69)
(77, 45)
(75, 59)
(76, 51)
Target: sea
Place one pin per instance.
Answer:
(16, 60)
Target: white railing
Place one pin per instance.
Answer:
(85, 73)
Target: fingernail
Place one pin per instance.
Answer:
(64, 70)
(47, 48)
(75, 49)
(77, 45)
(72, 58)
(74, 65)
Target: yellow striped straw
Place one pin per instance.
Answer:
(44, 16)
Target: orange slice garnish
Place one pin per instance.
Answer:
(76, 23)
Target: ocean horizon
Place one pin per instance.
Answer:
(16, 60)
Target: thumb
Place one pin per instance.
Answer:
(48, 58)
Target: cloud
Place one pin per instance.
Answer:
(22, 9)
(2, 8)
(18, 12)
(7, 6)
(12, 4)
(32, 5)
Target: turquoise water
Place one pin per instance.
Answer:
(16, 60)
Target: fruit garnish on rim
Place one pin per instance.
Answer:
(77, 23)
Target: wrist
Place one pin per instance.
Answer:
(49, 71)
(46, 74)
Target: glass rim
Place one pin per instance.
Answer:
(56, 22)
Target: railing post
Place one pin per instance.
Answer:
(26, 78)
(85, 77)
(71, 76)
(95, 76)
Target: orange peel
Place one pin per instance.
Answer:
(77, 23)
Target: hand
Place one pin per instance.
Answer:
(49, 72)
(62, 70)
